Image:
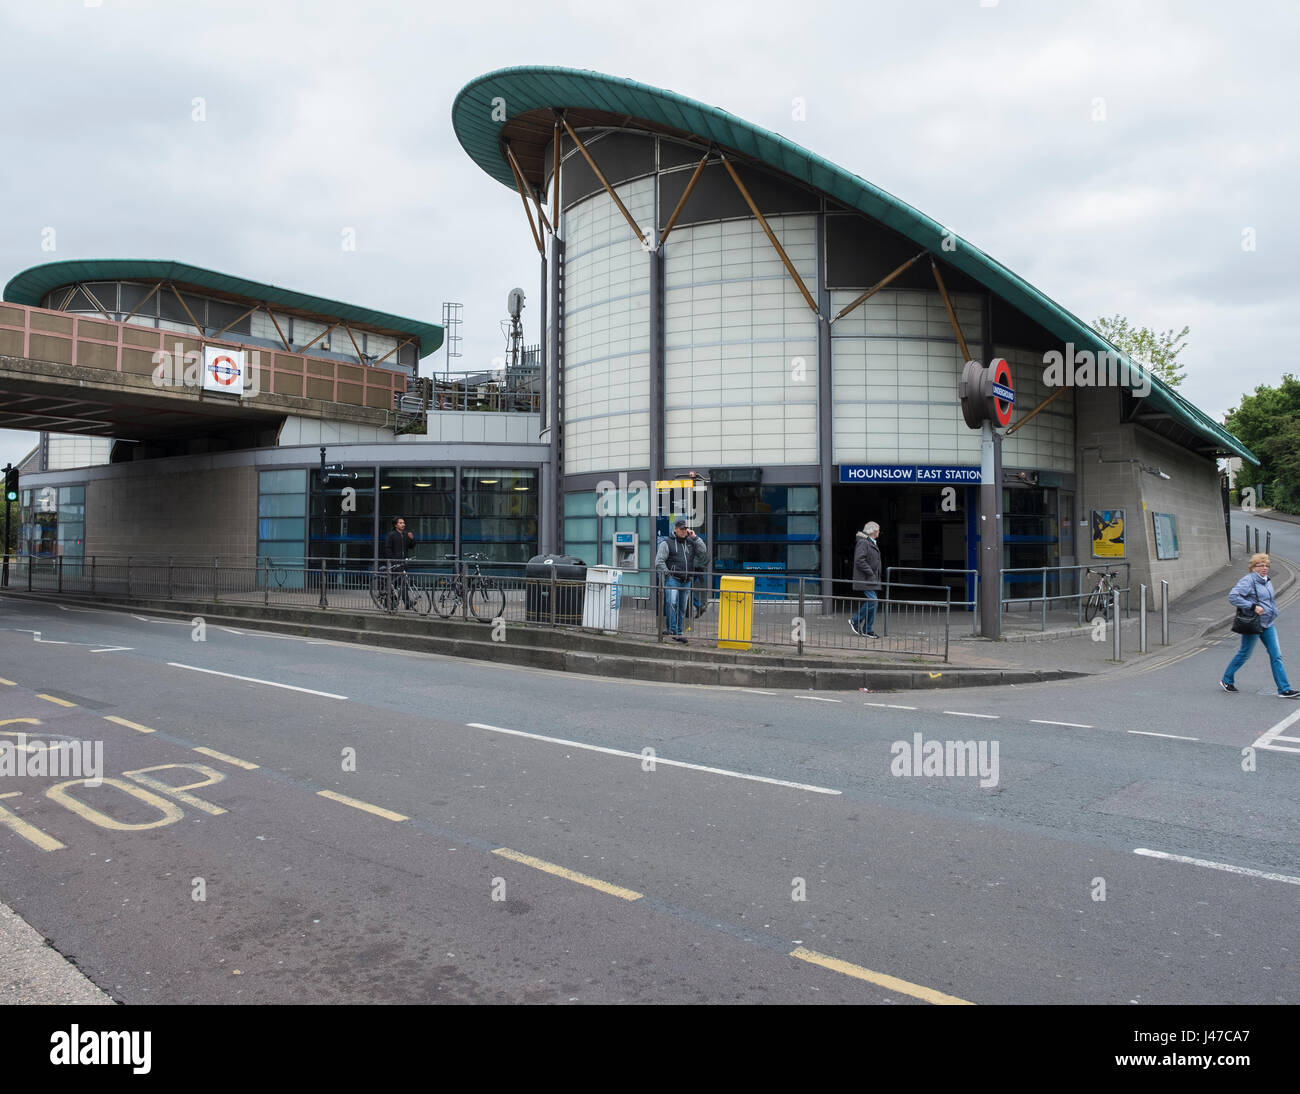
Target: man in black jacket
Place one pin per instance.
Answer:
(679, 557)
(396, 547)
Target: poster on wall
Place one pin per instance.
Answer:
(1166, 535)
(1108, 533)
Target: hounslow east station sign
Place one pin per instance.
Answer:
(874, 474)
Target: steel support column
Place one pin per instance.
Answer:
(825, 424)
(657, 432)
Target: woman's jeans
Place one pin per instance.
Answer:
(1269, 638)
(867, 609)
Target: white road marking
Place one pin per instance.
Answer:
(819, 699)
(1072, 725)
(657, 759)
(890, 706)
(1169, 736)
(1270, 736)
(968, 714)
(255, 680)
(112, 649)
(1217, 866)
(753, 692)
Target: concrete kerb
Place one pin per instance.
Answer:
(628, 660)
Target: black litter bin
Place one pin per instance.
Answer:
(570, 583)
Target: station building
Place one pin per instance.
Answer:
(714, 300)
(724, 302)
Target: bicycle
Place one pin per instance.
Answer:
(487, 600)
(1100, 598)
(388, 589)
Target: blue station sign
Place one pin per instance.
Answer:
(875, 473)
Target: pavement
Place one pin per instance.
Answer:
(1038, 645)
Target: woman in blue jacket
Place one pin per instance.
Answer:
(1256, 591)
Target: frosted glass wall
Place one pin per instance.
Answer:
(607, 333)
(740, 356)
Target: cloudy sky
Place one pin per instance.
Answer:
(1135, 157)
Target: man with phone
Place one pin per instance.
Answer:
(679, 557)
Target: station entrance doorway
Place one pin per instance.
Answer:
(916, 529)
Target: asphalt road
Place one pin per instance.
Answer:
(365, 825)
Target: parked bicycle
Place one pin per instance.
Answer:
(486, 598)
(391, 588)
(1099, 601)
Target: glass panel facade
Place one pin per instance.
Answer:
(1029, 538)
(768, 531)
(580, 525)
(426, 498)
(282, 520)
(52, 522)
(342, 525)
(498, 513)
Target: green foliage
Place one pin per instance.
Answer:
(1157, 350)
(1268, 423)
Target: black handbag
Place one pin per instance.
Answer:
(1247, 622)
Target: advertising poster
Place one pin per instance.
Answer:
(1166, 526)
(1108, 533)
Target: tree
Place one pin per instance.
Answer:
(1157, 351)
(1268, 423)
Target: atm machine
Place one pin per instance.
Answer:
(626, 551)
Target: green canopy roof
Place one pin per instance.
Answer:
(30, 287)
(536, 90)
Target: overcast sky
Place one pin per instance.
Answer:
(1119, 156)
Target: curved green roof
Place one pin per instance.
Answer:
(521, 90)
(30, 287)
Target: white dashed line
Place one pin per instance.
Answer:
(1227, 867)
(890, 706)
(1168, 736)
(656, 760)
(819, 699)
(968, 714)
(255, 680)
(1072, 725)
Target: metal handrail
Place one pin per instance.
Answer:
(973, 603)
(1078, 597)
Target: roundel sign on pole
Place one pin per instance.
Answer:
(987, 394)
(1002, 396)
(223, 369)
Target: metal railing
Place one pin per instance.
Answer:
(912, 621)
(1057, 572)
(974, 575)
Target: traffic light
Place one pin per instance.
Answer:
(11, 484)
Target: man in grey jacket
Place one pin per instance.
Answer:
(866, 579)
(679, 557)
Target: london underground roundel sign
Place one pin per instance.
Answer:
(1001, 396)
(224, 370)
(986, 394)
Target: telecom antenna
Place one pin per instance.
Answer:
(451, 332)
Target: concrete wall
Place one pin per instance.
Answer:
(1190, 494)
(445, 426)
(173, 507)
